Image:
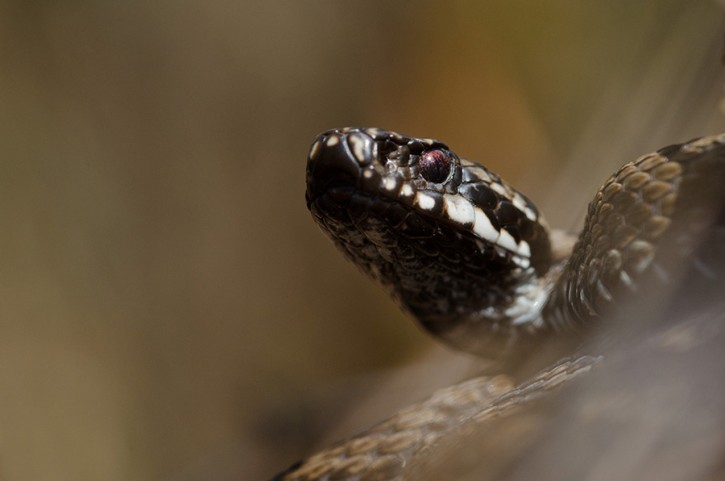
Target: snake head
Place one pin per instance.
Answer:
(405, 175)
(447, 238)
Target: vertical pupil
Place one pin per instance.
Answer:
(435, 165)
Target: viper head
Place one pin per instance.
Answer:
(449, 239)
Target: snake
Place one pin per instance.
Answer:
(474, 262)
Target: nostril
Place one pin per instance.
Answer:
(401, 156)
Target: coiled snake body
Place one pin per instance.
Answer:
(474, 262)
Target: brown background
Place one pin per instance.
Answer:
(167, 308)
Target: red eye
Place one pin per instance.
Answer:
(435, 165)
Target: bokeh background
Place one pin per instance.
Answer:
(168, 310)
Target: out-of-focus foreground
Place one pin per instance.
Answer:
(169, 310)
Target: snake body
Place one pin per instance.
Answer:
(475, 263)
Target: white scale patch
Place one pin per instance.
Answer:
(406, 191)
(520, 204)
(531, 215)
(482, 226)
(507, 241)
(481, 174)
(459, 209)
(524, 249)
(389, 184)
(517, 201)
(368, 174)
(358, 148)
(332, 141)
(315, 149)
(527, 305)
(523, 262)
(425, 201)
(476, 170)
(496, 187)
(627, 281)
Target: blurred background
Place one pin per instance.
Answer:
(168, 310)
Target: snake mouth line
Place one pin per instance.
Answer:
(350, 215)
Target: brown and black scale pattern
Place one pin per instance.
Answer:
(641, 229)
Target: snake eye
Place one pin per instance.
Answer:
(435, 165)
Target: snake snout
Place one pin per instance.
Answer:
(336, 160)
